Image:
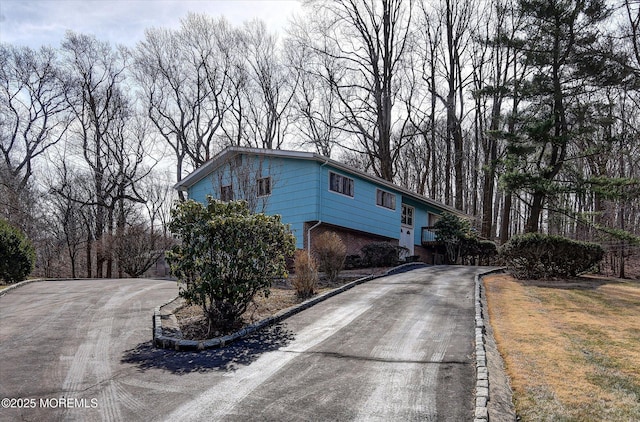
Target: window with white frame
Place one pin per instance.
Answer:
(264, 186)
(340, 184)
(407, 215)
(226, 193)
(432, 219)
(385, 199)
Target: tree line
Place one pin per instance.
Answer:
(522, 113)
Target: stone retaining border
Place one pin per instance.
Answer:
(20, 284)
(481, 413)
(164, 340)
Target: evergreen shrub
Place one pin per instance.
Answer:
(17, 254)
(353, 261)
(226, 255)
(539, 256)
(380, 254)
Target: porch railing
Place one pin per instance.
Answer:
(428, 235)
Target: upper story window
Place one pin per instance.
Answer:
(226, 193)
(264, 186)
(385, 199)
(407, 215)
(432, 219)
(340, 184)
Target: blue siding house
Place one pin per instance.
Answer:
(314, 194)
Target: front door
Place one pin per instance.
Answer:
(406, 230)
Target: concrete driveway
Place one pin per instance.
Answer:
(395, 348)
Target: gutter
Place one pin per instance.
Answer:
(309, 237)
(319, 209)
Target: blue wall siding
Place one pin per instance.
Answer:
(359, 212)
(293, 185)
(202, 188)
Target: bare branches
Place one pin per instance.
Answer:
(33, 110)
(359, 48)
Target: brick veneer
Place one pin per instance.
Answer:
(355, 240)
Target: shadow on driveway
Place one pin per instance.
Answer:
(240, 353)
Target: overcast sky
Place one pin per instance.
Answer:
(44, 22)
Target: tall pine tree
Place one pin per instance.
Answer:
(556, 40)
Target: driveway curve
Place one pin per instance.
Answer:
(61, 344)
(396, 348)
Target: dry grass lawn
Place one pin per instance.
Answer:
(571, 348)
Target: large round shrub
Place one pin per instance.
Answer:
(17, 255)
(538, 256)
(226, 255)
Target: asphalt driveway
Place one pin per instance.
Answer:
(395, 348)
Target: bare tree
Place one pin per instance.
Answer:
(423, 108)
(138, 248)
(248, 178)
(448, 55)
(111, 139)
(368, 41)
(98, 104)
(68, 191)
(315, 106)
(159, 195)
(184, 76)
(496, 54)
(33, 117)
(269, 89)
(631, 33)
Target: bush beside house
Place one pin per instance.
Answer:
(380, 254)
(331, 253)
(306, 274)
(226, 255)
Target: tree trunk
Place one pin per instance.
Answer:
(89, 252)
(109, 246)
(490, 159)
(533, 222)
(506, 219)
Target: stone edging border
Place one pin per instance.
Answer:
(164, 341)
(20, 284)
(482, 372)
(35, 280)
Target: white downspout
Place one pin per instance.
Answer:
(319, 210)
(309, 237)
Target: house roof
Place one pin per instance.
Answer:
(230, 152)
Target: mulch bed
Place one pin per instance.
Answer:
(194, 324)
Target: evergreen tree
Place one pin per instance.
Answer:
(559, 36)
